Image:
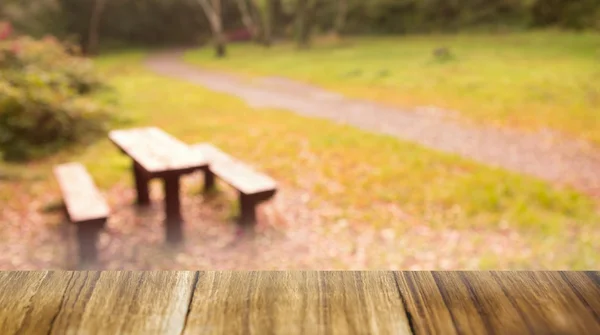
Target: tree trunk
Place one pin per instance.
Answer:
(268, 20)
(93, 33)
(277, 21)
(259, 21)
(247, 18)
(301, 23)
(340, 19)
(213, 14)
(305, 20)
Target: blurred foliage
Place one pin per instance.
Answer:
(124, 22)
(46, 98)
(161, 22)
(424, 16)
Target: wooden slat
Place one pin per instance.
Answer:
(125, 303)
(235, 173)
(155, 150)
(296, 303)
(549, 303)
(496, 303)
(82, 198)
(299, 303)
(586, 285)
(426, 307)
(29, 301)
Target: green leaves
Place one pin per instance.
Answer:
(46, 99)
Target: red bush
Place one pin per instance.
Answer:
(239, 35)
(5, 30)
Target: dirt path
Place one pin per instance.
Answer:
(542, 155)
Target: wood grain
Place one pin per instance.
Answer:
(297, 303)
(239, 175)
(82, 198)
(499, 303)
(125, 303)
(42, 302)
(157, 151)
(29, 301)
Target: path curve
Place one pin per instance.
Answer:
(542, 155)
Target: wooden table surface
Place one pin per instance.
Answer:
(42, 302)
(156, 151)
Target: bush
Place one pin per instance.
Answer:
(46, 99)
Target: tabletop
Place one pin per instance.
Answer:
(229, 302)
(157, 151)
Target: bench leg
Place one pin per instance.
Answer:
(173, 219)
(209, 181)
(141, 185)
(247, 210)
(87, 238)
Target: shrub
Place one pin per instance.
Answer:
(46, 99)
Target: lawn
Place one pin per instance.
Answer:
(351, 176)
(529, 81)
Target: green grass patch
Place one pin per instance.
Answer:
(528, 80)
(361, 174)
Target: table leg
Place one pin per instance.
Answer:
(141, 185)
(209, 180)
(173, 219)
(87, 237)
(247, 210)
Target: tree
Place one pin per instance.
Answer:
(340, 17)
(93, 31)
(269, 22)
(213, 14)
(247, 18)
(305, 15)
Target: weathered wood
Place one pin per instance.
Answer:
(85, 207)
(87, 239)
(299, 302)
(296, 303)
(209, 181)
(235, 173)
(29, 301)
(494, 303)
(83, 200)
(546, 302)
(125, 303)
(157, 152)
(173, 219)
(141, 184)
(254, 187)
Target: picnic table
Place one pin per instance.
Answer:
(156, 154)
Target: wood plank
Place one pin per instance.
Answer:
(156, 151)
(496, 303)
(125, 303)
(41, 302)
(82, 198)
(426, 307)
(297, 303)
(586, 285)
(549, 305)
(237, 174)
(29, 301)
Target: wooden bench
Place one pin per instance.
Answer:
(253, 187)
(84, 205)
(156, 154)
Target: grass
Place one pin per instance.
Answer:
(369, 178)
(528, 81)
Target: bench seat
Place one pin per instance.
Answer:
(254, 187)
(84, 205)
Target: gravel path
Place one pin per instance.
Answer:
(543, 155)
